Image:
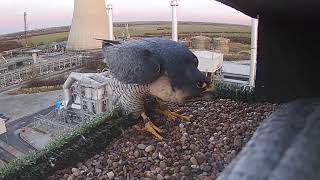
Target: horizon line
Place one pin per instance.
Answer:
(128, 22)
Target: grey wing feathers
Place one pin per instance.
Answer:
(132, 64)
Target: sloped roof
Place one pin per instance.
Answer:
(275, 7)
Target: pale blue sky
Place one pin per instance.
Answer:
(49, 13)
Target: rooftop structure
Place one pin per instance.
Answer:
(201, 42)
(87, 92)
(15, 63)
(221, 45)
(210, 62)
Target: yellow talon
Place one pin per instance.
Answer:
(155, 127)
(178, 110)
(169, 116)
(173, 115)
(150, 127)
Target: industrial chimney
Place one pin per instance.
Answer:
(88, 24)
(110, 22)
(174, 5)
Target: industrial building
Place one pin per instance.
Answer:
(87, 92)
(86, 95)
(23, 64)
(221, 45)
(201, 42)
(15, 63)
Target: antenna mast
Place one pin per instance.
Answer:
(25, 29)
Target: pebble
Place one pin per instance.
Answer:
(196, 171)
(162, 164)
(206, 168)
(136, 154)
(181, 126)
(141, 146)
(110, 175)
(160, 156)
(75, 171)
(150, 148)
(160, 177)
(194, 161)
(193, 166)
(65, 176)
(198, 149)
(193, 147)
(71, 177)
(237, 141)
(115, 164)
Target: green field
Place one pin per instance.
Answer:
(45, 39)
(238, 34)
(234, 32)
(186, 30)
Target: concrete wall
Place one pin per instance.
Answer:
(89, 22)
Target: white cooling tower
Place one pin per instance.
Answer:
(88, 24)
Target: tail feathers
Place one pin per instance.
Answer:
(107, 43)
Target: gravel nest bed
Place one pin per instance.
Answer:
(199, 149)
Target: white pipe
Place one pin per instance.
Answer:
(34, 57)
(174, 5)
(110, 22)
(3, 58)
(253, 61)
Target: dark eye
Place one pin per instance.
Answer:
(196, 61)
(201, 85)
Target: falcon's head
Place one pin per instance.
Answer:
(180, 77)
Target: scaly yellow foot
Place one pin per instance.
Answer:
(150, 127)
(153, 129)
(179, 110)
(173, 115)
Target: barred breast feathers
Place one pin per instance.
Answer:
(129, 96)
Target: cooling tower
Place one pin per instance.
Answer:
(88, 24)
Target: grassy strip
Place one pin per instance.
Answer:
(234, 91)
(69, 149)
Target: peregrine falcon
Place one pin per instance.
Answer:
(153, 66)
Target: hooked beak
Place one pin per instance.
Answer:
(208, 89)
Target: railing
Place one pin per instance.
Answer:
(26, 73)
(58, 122)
